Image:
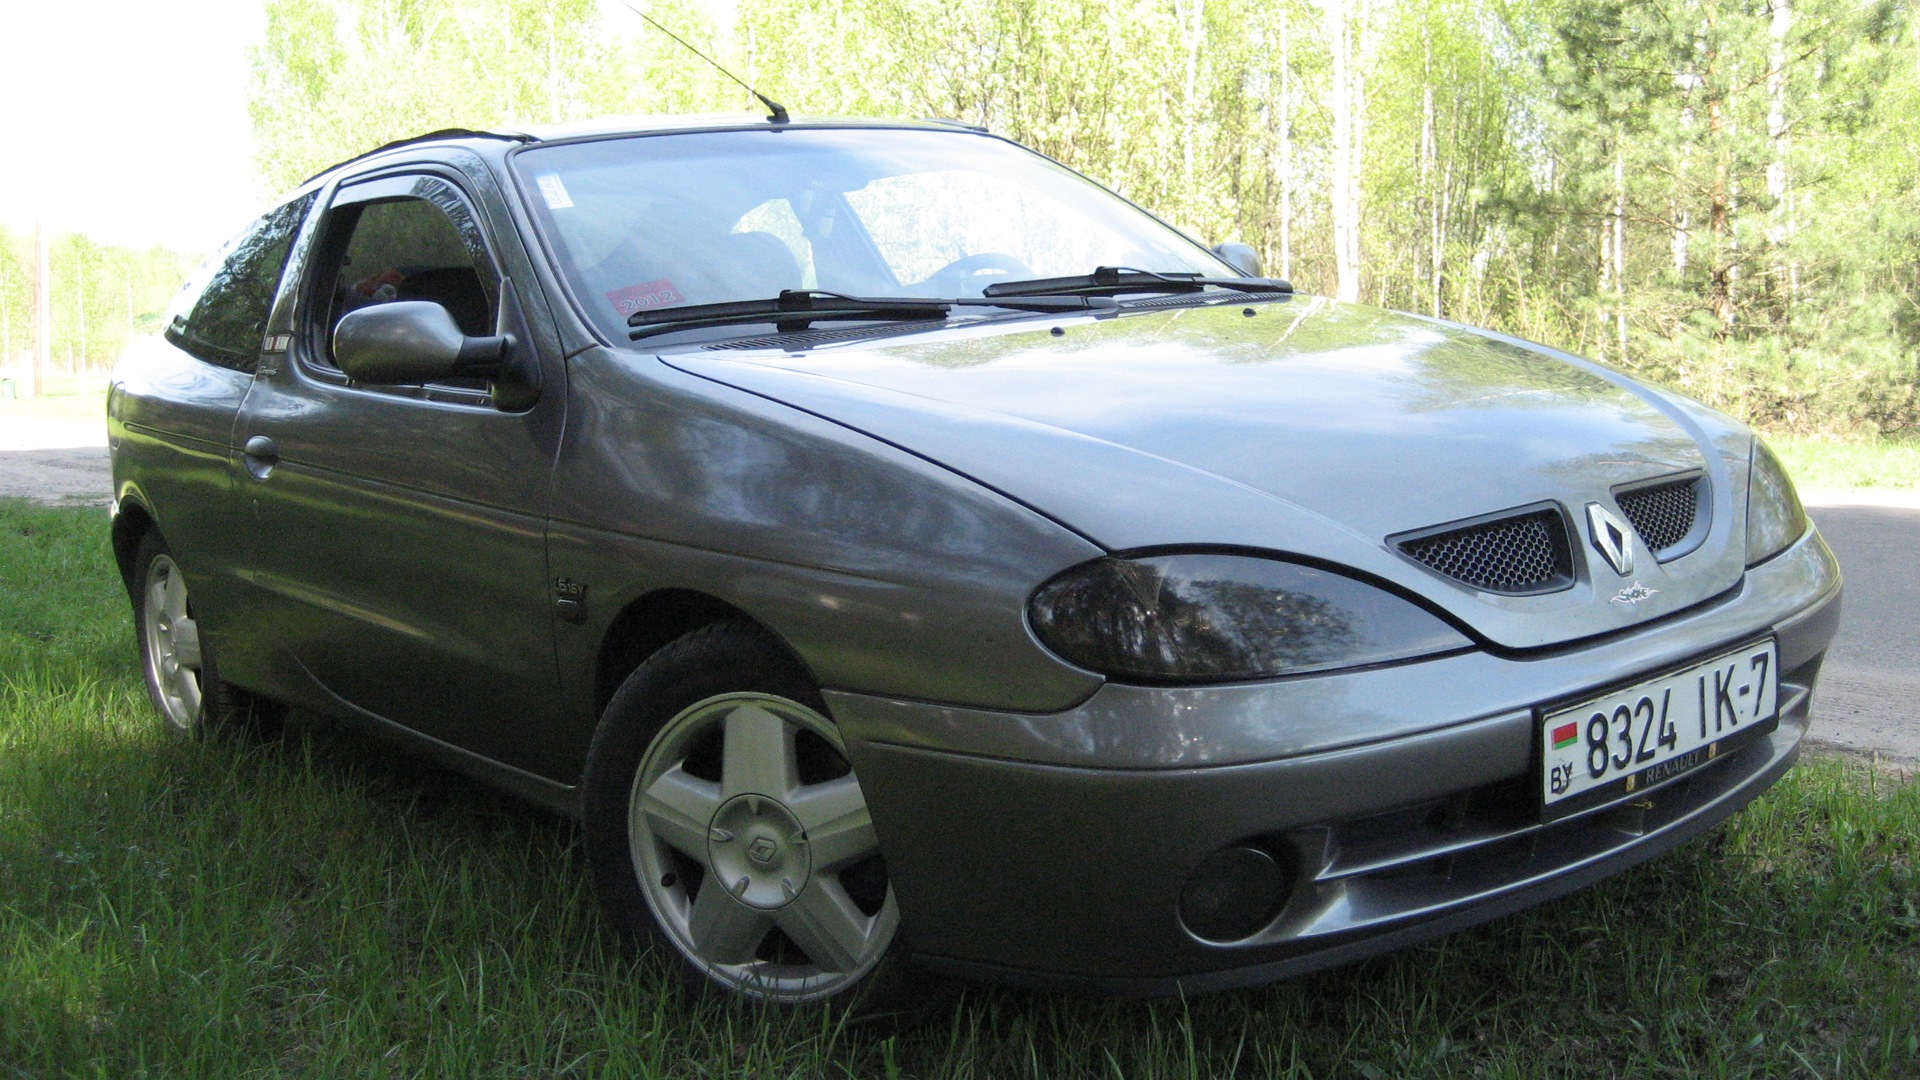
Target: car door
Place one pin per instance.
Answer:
(399, 531)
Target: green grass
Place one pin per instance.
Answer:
(1869, 462)
(68, 397)
(323, 906)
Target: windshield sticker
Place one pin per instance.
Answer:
(554, 191)
(645, 296)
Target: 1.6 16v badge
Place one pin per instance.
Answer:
(1643, 735)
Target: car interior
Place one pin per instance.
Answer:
(405, 249)
(408, 250)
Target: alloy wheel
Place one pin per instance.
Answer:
(756, 852)
(173, 643)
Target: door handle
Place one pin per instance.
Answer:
(261, 456)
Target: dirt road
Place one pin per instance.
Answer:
(63, 462)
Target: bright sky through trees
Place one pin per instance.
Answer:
(127, 120)
(95, 93)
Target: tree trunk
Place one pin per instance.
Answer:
(1347, 102)
(1620, 247)
(1779, 182)
(553, 74)
(1440, 238)
(1606, 283)
(1193, 30)
(1679, 220)
(80, 306)
(1680, 215)
(1286, 150)
(42, 312)
(1720, 223)
(1429, 202)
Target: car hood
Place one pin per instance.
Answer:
(1305, 427)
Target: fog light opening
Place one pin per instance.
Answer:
(1232, 893)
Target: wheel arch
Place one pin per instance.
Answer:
(131, 523)
(651, 621)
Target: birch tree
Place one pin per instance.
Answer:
(1346, 36)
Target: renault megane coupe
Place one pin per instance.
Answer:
(906, 557)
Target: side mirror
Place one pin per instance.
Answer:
(407, 342)
(410, 341)
(1241, 257)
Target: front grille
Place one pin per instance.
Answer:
(1663, 514)
(1406, 840)
(1520, 554)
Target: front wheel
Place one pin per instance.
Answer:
(724, 822)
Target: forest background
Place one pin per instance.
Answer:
(1720, 195)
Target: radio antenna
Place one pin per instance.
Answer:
(779, 111)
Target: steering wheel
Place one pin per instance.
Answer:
(960, 277)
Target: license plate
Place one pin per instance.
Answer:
(1644, 735)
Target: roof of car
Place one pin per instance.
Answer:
(636, 125)
(639, 125)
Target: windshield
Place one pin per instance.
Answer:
(662, 221)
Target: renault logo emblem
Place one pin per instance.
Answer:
(1611, 539)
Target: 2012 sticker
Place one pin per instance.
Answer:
(554, 191)
(645, 296)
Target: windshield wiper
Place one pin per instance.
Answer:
(1114, 280)
(795, 310)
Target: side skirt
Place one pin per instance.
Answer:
(551, 794)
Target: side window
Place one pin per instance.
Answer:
(222, 312)
(420, 243)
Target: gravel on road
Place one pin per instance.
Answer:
(60, 462)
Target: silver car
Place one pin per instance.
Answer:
(906, 557)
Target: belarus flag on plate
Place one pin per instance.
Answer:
(1566, 735)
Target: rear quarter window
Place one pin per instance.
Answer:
(221, 314)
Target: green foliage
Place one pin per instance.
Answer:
(1719, 195)
(16, 297)
(339, 77)
(99, 296)
(1762, 223)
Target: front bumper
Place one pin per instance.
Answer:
(1052, 849)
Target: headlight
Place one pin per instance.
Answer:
(1207, 617)
(1774, 515)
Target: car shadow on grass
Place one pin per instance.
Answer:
(404, 787)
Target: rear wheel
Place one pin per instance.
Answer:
(724, 823)
(182, 677)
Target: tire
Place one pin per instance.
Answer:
(724, 829)
(183, 678)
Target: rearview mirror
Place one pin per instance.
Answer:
(1241, 257)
